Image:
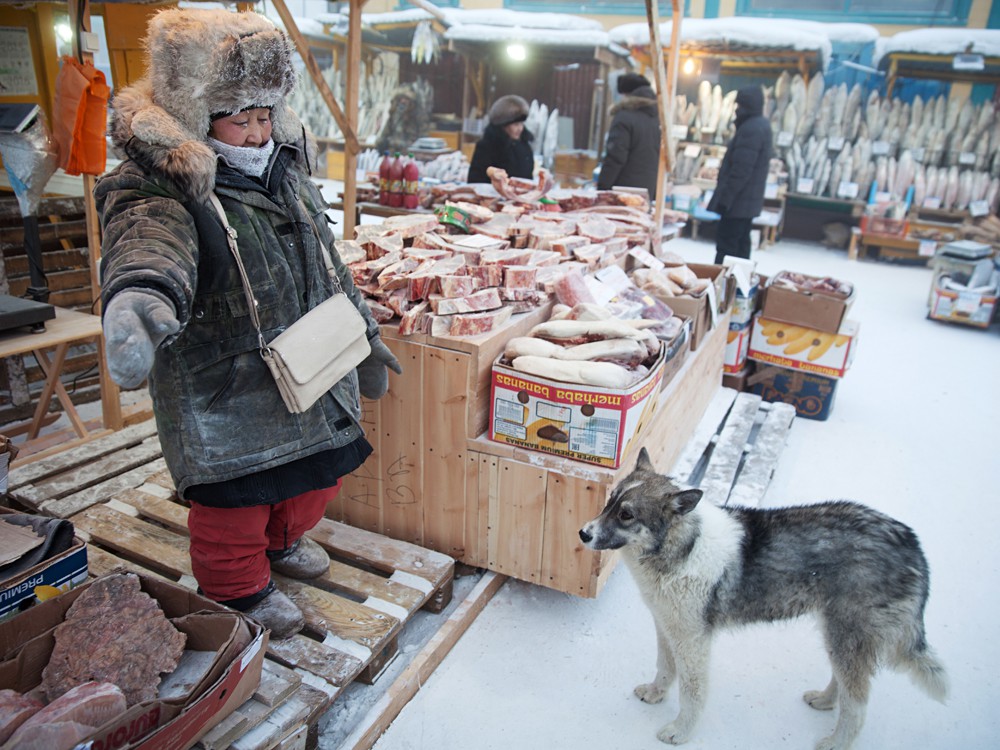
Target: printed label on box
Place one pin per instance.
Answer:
(798, 348)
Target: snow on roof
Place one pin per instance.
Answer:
(770, 33)
(939, 41)
(551, 37)
(495, 17)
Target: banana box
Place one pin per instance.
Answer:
(806, 349)
(737, 348)
(811, 395)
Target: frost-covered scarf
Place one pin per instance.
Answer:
(250, 160)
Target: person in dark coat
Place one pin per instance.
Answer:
(739, 194)
(506, 143)
(632, 156)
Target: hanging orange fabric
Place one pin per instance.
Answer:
(81, 115)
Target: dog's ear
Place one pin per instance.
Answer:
(685, 501)
(643, 463)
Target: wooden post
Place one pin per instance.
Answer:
(666, 87)
(111, 405)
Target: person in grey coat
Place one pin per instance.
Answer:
(211, 117)
(632, 155)
(739, 192)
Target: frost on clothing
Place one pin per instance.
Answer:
(632, 155)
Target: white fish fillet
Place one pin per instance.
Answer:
(605, 374)
(521, 346)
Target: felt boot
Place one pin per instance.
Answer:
(304, 559)
(279, 614)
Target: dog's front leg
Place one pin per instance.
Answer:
(653, 692)
(691, 655)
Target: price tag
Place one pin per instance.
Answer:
(927, 248)
(918, 154)
(835, 144)
(680, 132)
(692, 151)
(931, 202)
(967, 303)
(880, 148)
(682, 202)
(712, 162)
(785, 138)
(967, 158)
(848, 190)
(979, 208)
(771, 190)
(805, 185)
(883, 197)
(642, 255)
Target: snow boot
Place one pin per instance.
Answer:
(304, 559)
(277, 613)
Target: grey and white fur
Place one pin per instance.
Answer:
(700, 567)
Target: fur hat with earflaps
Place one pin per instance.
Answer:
(508, 109)
(200, 64)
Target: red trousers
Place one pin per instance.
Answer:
(228, 545)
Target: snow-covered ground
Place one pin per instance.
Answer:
(913, 433)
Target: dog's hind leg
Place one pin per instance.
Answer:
(822, 700)
(854, 655)
(691, 655)
(653, 692)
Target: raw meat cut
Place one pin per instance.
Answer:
(113, 632)
(15, 709)
(63, 735)
(90, 704)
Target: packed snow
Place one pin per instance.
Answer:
(939, 41)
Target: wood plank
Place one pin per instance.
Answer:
(569, 503)
(276, 684)
(254, 713)
(97, 471)
(764, 454)
(725, 459)
(300, 709)
(226, 731)
(707, 429)
(152, 546)
(101, 562)
(327, 613)
(170, 514)
(423, 665)
(520, 514)
(363, 584)
(336, 667)
(476, 513)
(71, 504)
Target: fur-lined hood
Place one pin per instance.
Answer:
(201, 63)
(641, 98)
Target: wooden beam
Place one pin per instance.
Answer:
(665, 86)
(351, 145)
(111, 404)
(351, 97)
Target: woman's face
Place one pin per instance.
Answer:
(514, 130)
(250, 128)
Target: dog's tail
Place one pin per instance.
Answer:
(926, 670)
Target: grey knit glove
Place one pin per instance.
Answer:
(373, 375)
(135, 324)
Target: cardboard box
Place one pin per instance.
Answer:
(811, 395)
(820, 310)
(704, 310)
(969, 308)
(62, 571)
(737, 346)
(239, 643)
(738, 381)
(744, 306)
(806, 349)
(676, 353)
(585, 423)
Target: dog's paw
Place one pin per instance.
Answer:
(650, 692)
(672, 734)
(821, 700)
(827, 743)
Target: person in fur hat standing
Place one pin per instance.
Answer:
(211, 116)
(632, 153)
(506, 143)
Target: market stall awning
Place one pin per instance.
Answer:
(935, 54)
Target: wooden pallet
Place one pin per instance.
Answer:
(120, 498)
(735, 449)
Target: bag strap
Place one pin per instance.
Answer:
(231, 237)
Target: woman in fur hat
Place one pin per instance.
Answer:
(632, 154)
(211, 115)
(506, 143)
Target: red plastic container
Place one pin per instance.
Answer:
(396, 183)
(411, 183)
(383, 179)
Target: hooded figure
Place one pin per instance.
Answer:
(506, 143)
(739, 193)
(211, 116)
(632, 155)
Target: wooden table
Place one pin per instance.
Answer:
(68, 327)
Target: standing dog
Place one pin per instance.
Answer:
(700, 567)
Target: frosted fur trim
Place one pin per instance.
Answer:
(250, 160)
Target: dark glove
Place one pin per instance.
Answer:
(135, 324)
(373, 378)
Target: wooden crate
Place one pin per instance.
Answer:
(491, 505)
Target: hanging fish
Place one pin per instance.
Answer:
(919, 186)
(903, 178)
(950, 189)
(704, 104)
(993, 194)
(872, 107)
